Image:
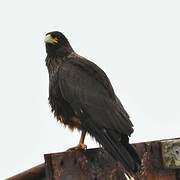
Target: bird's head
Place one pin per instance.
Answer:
(57, 44)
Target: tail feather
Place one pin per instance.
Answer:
(119, 149)
(131, 150)
(122, 152)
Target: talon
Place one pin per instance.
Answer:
(78, 147)
(81, 145)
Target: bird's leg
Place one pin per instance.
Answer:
(81, 145)
(81, 141)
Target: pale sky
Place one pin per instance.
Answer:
(137, 44)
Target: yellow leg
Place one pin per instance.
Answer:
(81, 145)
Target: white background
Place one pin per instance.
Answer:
(137, 43)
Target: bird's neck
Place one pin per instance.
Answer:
(62, 51)
(53, 64)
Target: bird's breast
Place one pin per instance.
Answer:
(60, 107)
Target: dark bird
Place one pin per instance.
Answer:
(81, 96)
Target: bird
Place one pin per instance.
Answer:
(81, 97)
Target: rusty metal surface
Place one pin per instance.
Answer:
(92, 164)
(152, 166)
(96, 164)
(35, 173)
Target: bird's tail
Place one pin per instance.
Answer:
(121, 150)
(117, 146)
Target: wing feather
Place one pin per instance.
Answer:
(94, 94)
(86, 87)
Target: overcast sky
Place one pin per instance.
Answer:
(137, 43)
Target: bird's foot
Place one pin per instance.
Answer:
(78, 147)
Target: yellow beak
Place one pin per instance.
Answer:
(50, 39)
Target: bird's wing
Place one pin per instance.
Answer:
(85, 86)
(89, 92)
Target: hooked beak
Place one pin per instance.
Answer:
(50, 39)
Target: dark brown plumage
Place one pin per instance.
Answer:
(81, 96)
